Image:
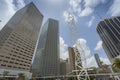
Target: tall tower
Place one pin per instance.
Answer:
(97, 58)
(109, 32)
(63, 67)
(46, 61)
(18, 39)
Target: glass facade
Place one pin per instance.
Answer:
(47, 53)
(109, 31)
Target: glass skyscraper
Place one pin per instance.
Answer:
(109, 32)
(46, 61)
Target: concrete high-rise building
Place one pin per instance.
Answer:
(63, 67)
(109, 32)
(47, 59)
(72, 56)
(18, 40)
(98, 60)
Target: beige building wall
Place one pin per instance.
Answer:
(18, 39)
(71, 58)
(63, 67)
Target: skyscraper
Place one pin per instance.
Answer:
(109, 32)
(63, 67)
(98, 60)
(18, 39)
(46, 61)
(72, 56)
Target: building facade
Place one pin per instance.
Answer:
(18, 39)
(72, 53)
(63, 67)
(46, 61)
(71, 58)
(109, 32)
(97, 58)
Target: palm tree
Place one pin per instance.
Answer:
(116, 63)
(21, 76)
(101, 62)
(5, 73)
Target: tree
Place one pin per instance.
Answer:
(101, 62)
(21, 76)
(116, 63)
(5, 73)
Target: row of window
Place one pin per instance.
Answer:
(11, 62)
(10, 66)
(25, 62)
(23, 46)
(21, 38)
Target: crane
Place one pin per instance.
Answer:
(79, 57)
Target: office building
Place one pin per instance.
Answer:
(97, 58)
(47, 59)
(72, 51)
(71, 58)
(18, 40)
(62, 67)
(109, 32)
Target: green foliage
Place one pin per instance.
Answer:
(21, 76)
(5, 73)
(116, 63)
(101, 62)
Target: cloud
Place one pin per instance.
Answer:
(98, 46)
(82, 8)
(86, 12)
(68, 16)
(114, 9)
(82, 46)
(93, 3)
(20, 4)
(91, 62)
(105, 60)
(91, 21)
(75, 5)
(8, 9)
(63, 49)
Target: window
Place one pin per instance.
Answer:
(3, 65)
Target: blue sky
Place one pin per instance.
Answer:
(87, 14)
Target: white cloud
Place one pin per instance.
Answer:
(84, 7)
(75, 5)
(93, 3)
(68, 16)
(98, 46)
(91, 62)
(82, 47)
(91, 21)
(7, 10)
(89, 6)
(105, 60)
(20, 4)
(86, 12)
(63, 49)
(114, 9)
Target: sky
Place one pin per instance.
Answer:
(87, 14)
